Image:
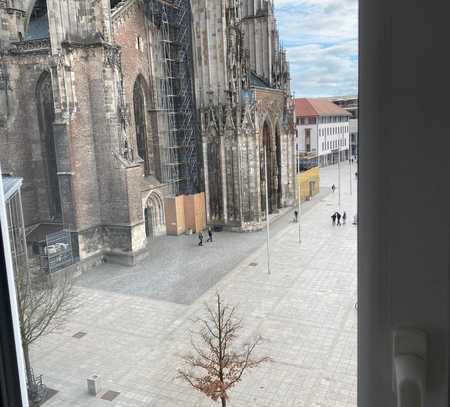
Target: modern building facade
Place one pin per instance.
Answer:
(323, 130)
(350, 103)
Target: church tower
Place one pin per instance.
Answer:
(239, 118)
(261, 39)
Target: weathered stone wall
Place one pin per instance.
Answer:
(12, 20)
(259, 27)
(87, 128)
(267, 58)
(21, 147)
(272, 106)
(130, 28)
(210, 50)
(100, 190)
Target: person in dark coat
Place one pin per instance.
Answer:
(344, 218)
(333, 188)
(200, 238)
(338, 216)
(334, 218)
(210, 235)
(295, 216)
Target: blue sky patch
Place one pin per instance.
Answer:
(321, 39)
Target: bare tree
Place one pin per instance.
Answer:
(215, 366)
(44, 305)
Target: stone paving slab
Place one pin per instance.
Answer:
(304, 309)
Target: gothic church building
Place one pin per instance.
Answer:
(105, 116)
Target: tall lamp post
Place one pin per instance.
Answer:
(350, 166)
(299, 197)
(267, 210)
(339, 175)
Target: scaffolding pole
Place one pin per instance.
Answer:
(180, 152)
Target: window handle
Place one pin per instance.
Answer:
(410, 366)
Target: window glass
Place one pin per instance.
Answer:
(130, 205)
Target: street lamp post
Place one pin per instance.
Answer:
(299, 197)
(339, 175)
(267, 210)
(350, 165)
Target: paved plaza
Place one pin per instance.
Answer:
(137, 320)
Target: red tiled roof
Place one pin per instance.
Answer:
(307, 107)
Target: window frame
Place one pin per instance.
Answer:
(13, 391)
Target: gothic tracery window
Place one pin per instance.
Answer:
(215, 177)
(38, 26)
(140, 122)
(46, 113)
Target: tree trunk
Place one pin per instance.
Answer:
(26, 354)
(224, 402)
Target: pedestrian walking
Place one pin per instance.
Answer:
(344, 218)
(295, 216)
(338, 216)
(210, 235)
(334, 218)
(333, 188)
(200, 238)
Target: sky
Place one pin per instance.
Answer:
(321, 39)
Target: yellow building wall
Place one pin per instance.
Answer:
(309, 183)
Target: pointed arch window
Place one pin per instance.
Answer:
(38, 25)
(140, 121)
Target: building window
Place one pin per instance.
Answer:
(308, 140)
(139, 43)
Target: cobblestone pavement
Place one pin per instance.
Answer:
(304, 309)
(178, 270)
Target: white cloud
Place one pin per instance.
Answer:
(321, 40)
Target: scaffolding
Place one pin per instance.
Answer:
(180, 151)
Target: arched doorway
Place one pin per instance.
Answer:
(140, 121)
(155, 223)
(46, 116)
(271, 168)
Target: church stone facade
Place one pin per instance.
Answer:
(242, 91)
(83, 122)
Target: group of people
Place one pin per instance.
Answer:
(200, 237)
(336, 218)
